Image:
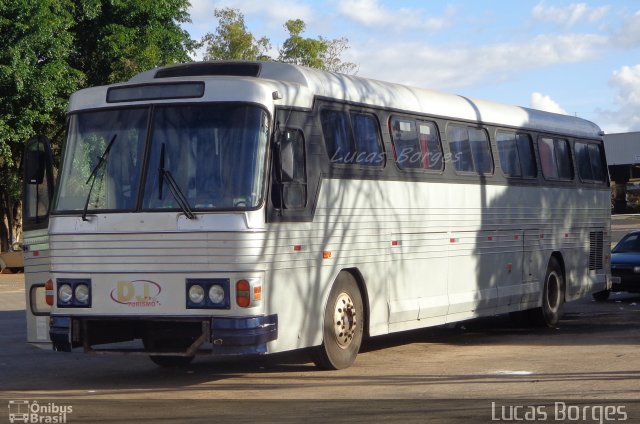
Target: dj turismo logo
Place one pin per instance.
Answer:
(24, 411)
(137, 293)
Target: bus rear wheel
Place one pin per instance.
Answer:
(343, 325)
(553, 293)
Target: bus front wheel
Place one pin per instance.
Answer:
(343, 325)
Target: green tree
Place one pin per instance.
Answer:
(52, 48)
(321, 53)
(35, 82)
(231, 39)
(333, 54)
(116, 39)
(299, 50)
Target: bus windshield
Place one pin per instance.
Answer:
(200, 157)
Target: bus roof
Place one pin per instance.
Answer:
(299, 86)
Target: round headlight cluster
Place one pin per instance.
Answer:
(196, 293)
(73, 293)
(216, 294)
(207, 294)
(65, 293)
(82, 293)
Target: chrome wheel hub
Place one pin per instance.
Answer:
(345, 321)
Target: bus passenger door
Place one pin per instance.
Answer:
(36, 200)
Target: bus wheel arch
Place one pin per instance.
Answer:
(343, 323)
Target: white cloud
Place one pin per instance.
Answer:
(629, 33)
(541, 102)
(569, 15)
(371, 13)
(273, 14)
(626, 81)
(456, 66)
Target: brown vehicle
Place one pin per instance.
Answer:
(12, 261)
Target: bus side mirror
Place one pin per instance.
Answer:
(37, 177)
(35, 164)
(289, 189)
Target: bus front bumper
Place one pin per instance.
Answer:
(213, 335)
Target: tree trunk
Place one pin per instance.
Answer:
(4, 222)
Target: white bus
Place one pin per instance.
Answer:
(236, 208)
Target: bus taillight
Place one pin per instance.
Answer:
(48, 286)
(249, 292)
(243, 293)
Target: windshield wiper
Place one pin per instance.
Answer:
(174, 188)
(94, 173)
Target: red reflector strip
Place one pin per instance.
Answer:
(394, 243)
(452, 240)
(36, 253)
(490, 238)
(297, 248)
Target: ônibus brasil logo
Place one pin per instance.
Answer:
(25, 411)
(137, 293)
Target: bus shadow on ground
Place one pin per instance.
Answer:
(615, 321)
(25, 368)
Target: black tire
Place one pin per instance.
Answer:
(171, 361)
(553, 293)
(343, 325)
(168, 361)
(601, 296)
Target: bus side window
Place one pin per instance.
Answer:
(565, 171)
(480, 151)
(547, 158)
(508, 152)
(589, 162)
(516, 154)
(526, 155)
(597, 165)
(368, 142)
(555, 158)
(416, 144)
(352, 139)
(470, 149)
(337, 136)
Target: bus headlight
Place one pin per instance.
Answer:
(65, 293)
(196, 293)
(216, 294)
(208, 293)
(82, 293)
(74, 292)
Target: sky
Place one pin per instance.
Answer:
(577, 58)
